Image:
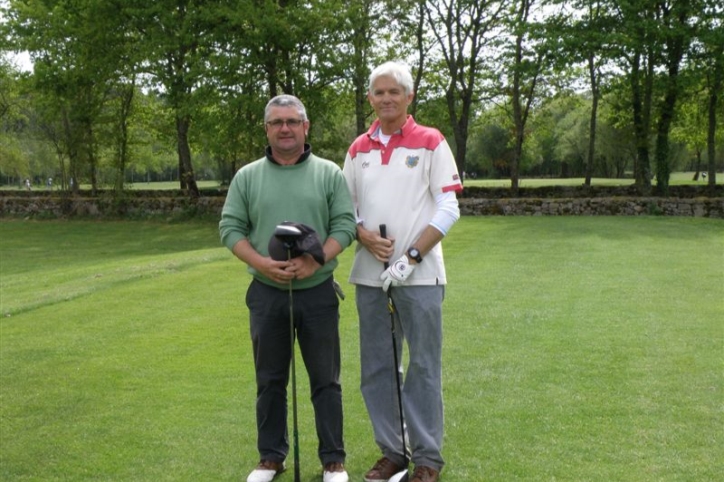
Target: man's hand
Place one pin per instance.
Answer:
(380, 247)
(397, 273)
(303, 266)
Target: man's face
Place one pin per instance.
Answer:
(389, 100)
(285, 130)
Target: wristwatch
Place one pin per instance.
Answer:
(414, 253)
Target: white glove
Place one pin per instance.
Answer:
(397, 273)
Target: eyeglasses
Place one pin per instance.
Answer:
(291, 123)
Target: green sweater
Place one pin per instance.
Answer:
(264, 194)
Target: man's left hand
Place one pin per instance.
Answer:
(303, 266)
(397, 273)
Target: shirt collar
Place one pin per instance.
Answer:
(305, 155)
(374, 130)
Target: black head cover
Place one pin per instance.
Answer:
(307, 242)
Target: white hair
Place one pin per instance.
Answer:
(398, 71)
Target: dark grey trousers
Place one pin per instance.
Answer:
(316, 318)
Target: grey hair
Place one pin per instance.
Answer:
(286, 100)
(398, 71)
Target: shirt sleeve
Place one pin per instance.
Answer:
(234, 225)
(444, 176)
(343, 226)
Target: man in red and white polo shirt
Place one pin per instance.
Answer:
(403, 175)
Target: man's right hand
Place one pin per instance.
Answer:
(381, 248)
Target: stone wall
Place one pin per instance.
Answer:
(51, 206)
(177, 205)
(618, 206)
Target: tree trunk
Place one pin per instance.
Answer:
(71, 149)
(360, 102)
(663, 165)
(675, 47)
(522, 95)
(460, 127)
(420, 30)
(92, 161)
(642, 174)
(517, 114)
(187, 178)
(697, 168)
(594, 112)
(716, 85)
(126, 94)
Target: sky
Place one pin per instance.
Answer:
(22, 59)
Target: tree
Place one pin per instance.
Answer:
(564, 118)
(716, 84)
(638, 54)
(491, 144)
(675, 16)
(654, 38)
(711, 60)
(124, 97)
(362, 21)
(526, 64)
(77, 48)
(12, 162)
(175, 39)
(585, 39)
(292, 47)
(690, 129)
(207, 68)
(463, 29)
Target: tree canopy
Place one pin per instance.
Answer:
(122, 89)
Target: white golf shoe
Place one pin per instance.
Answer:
(265, 471)
(334, 472)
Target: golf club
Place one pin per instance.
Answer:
(288, 235)
(403, 475)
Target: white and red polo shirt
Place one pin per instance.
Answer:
(396, 185)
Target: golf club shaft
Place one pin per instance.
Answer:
(292, 334)
(398, 382)
(383, 233)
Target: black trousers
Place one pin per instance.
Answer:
(316, 318)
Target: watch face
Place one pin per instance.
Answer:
(415, 254)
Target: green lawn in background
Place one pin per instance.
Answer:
(576, 349)
(677, 178)
(152, 186)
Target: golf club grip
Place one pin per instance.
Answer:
(383, 233)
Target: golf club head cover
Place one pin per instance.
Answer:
(397, 273)
(307, 243)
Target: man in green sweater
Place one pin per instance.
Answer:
(291, 184)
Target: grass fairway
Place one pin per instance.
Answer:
(576, 349)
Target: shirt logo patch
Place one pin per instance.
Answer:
(365, 164)
(412, 161)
